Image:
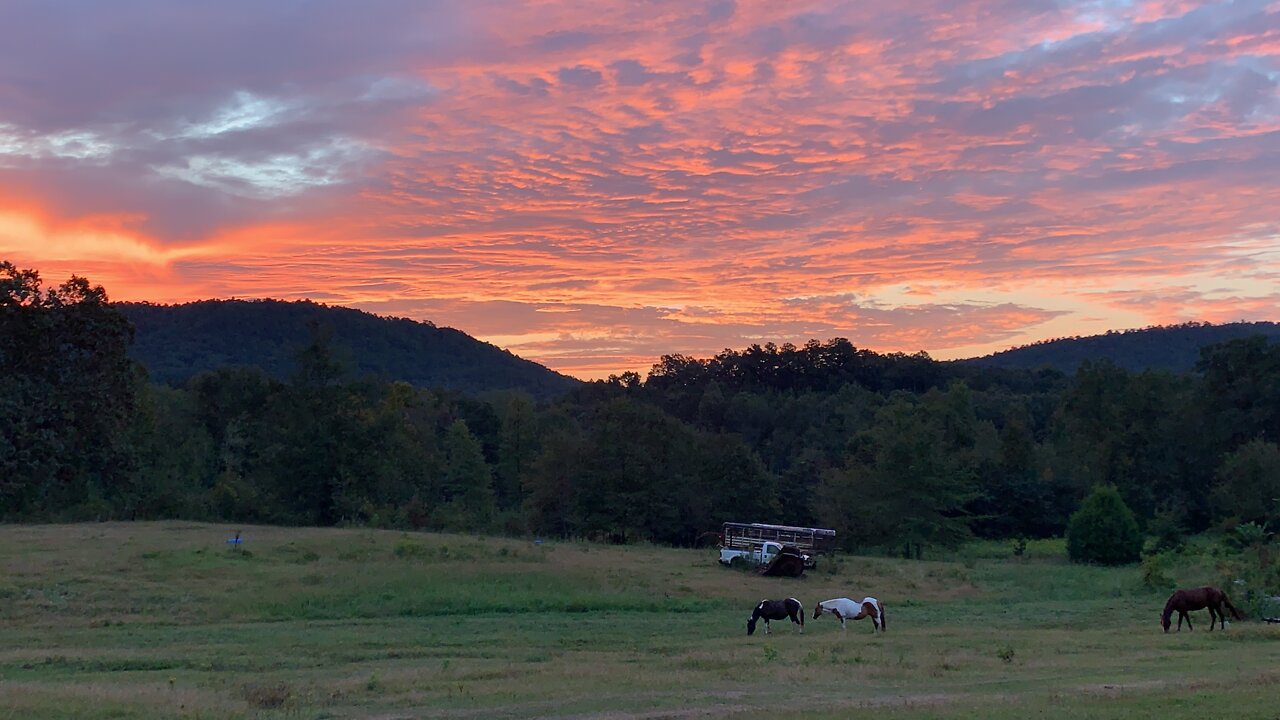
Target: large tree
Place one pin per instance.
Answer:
(1248, 484)
(68, 393)
(907, 478)
(468, 481)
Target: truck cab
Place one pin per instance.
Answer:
(761, 554)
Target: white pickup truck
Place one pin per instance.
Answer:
(761, 554)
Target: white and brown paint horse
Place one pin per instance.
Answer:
(845, 609)
(776, 610)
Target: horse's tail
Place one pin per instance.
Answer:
(883, 625)
(800, 612)
(1234, 612)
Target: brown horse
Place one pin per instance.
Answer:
(1185, 601)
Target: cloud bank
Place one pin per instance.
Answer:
(594, 184)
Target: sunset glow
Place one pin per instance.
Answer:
(591, 185)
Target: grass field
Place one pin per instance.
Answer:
(158, 620)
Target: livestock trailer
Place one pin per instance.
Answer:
(747, 535)
(759, 542)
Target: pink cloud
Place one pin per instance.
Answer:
(594, 185)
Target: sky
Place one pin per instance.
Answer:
(592, 185)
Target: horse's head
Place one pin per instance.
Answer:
(751, 625)
(817, 611)
(1167, 614)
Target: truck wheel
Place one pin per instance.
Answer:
(738, 563)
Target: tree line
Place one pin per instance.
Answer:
(894, 451)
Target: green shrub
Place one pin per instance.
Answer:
(1247, 535)
(1252, 579)
(1019, 547)
(1154, 573)
(406, 548)
(1248, 570)
(1103, 530)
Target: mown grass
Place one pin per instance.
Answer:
(165, 620)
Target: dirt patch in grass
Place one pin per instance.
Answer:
(267, 697)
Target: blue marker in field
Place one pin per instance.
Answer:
(235, 541)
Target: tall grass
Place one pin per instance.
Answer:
(165, 620)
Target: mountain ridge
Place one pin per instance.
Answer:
(177, 341)
(1161, 347)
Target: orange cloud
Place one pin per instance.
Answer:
(595, 186)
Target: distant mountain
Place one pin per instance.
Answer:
(1175, 348)
(175, 342)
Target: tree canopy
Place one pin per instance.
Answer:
(896, 452)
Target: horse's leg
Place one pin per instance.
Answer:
(1187, 615)
(863, 613)
(1213, 617)
(766, 626)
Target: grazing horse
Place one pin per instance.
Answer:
(846, 609)
(1185, 601)
(776, 610)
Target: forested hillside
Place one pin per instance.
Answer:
(1175, 348)
(177, 342)
(893, 451)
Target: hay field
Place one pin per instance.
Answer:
(164, 620)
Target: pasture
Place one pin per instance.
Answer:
(164, 620)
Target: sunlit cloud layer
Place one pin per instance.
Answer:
(595, 184)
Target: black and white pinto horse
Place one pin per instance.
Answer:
(845, 609)
(776, 610)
